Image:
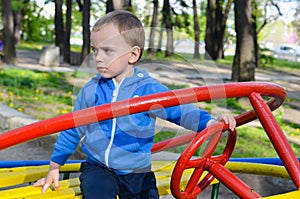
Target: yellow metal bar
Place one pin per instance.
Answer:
(21, 175)
(24, 192)
(59, 194)
(258, 169)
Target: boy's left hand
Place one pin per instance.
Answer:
(229, 119)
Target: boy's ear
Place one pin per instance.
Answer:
(134, 55)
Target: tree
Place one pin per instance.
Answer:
(262, 15)
(85, 51)
(59, 26)
(169, 28)
(244, 60)
(8, 32)
(67, 46)
(109, 6)
(196, 31)
(216, 19)
(151, 48)
(18, 15)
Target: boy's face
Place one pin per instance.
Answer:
(112, 54)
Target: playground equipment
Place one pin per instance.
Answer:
(201, 171)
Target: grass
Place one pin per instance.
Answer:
(38, 46)
(275, 64)
(48, 94)
(251, 142)
(40, 94)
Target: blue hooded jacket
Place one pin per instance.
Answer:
(123, 144)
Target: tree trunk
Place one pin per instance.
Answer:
(17, 25)
(109, 6)
(255, 33)
(8, 32)
(210, 29)
(86, 29)
(161, 34)
(67, 51)
(59, 26)
(169, 28)
(221, 27)
(151, 48)
(80, 5)
(216, 19)
(196, 31)
(244, 60)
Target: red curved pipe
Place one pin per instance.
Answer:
(145, 103)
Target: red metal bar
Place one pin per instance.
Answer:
(173, 142)
(145, 103)
(231, 181)
(277, 137)
(185, 161)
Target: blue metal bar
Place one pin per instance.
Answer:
(23, 163)
(273, 161)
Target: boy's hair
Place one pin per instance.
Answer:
(130, 27)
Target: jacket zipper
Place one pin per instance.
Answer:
(114, 123)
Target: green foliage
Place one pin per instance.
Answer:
(16, 5)
(279, 64)
(38, 46)
(36, 93)
(36, 27)
(231, 103)
(189, 27)
(253, 142)
(275, 64)
(175, 86)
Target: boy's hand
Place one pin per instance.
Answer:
(229, 119)
(52, 177)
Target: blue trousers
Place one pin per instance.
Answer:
(98, 182)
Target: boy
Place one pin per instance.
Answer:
(118, 150)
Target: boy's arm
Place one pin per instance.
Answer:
(187, 115)
(64, 147)
(228, 118)
(192, 117)
(52, 178)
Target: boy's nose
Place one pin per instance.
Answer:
(98, 57)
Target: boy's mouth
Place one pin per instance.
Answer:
(101, 69)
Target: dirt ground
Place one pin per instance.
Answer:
(195, 75)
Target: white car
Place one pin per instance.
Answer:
(288, 52)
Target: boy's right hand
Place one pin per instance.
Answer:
(52, 177)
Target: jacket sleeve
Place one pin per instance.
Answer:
(68, 140)
(188, 115)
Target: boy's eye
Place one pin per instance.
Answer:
(107, 50)
(94, 50)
